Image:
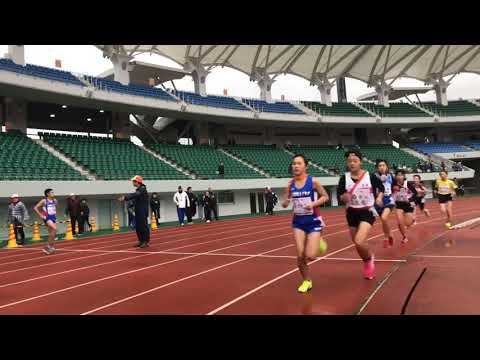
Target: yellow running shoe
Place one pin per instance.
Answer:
(306, 285)
(448, 225)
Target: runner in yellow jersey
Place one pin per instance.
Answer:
(445, 189)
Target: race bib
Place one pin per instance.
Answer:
(361, 197)
(299, 203)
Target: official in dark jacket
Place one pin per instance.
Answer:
(192, 209)
(140, 196)
(73, 210)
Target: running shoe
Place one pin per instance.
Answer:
(404, 240)
(369, 269)
(48, 250)
(305, 286)
(208, 221)
(448, 225)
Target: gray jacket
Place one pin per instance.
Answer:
(17, 211)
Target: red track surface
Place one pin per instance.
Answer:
(247, 266)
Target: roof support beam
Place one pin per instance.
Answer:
(374, 67)
(209, 50)
(406, 55)
(434, 60)
(465, 64)
(386, 62)
(292, 60)
(230, 55)
(283, 52)
(461, 55)
(360, 54)
(255, 59)
(409, 64)
(317, 61)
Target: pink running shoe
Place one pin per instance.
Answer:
(404, 240)
(369, 269)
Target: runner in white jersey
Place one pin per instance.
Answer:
(360, 191)
(307, 223)
(47, 210)
(403, 193)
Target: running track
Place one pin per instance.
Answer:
(243, 266)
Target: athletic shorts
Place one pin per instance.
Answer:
(442, 199)
(308, 223)
(420, 202)
(380, 209)
(355, 217)
(405, 206)
(51, 218)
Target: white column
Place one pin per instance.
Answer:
(325, 88)
(16, 53)
(441, 92)
(264, 82)
(333, 196)
(383, 92)
(199, 75)
(121, 68)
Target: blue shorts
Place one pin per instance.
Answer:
(308, 223)
(380, 209)
(51, 218)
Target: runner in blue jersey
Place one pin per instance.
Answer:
(385, 176)
(307, 223)
(47, 210)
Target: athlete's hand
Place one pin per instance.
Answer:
(285, 203)
(308, 206)
(345, 198)
(379, 202)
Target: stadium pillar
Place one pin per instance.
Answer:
(264, 82)
(15, 114)
(333, 196)
(201, 132)
(341, 90)
(199, 75)
(325, 87)
(121, 68)
(121, 125)
(441, 92)
(383, 92)
(16, 53)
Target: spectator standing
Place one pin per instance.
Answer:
(213, 203)
(207, 206)
(155, 205)
(73, 211)
(192, 208)
(17, 214)
(271, 200)
(140, 199)
(442, 165)
(221, 170)
(84, 215)
(182, 201)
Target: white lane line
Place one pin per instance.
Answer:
(449, 256)
(466, 223)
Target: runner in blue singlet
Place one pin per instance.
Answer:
(307, 223)
(383, 173)
(47, 210)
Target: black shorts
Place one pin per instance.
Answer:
(355, 217)
(442, 199)
(405, 206)
(419, 201)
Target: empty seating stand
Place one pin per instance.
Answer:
(210, 100)
(454, 108)
(23, 159)
(131, 89)
(473, 145)
(391, 154)
(112, 159)
(40, 71)
(275, 107)
(396, 109)
(268, 158)
(439, 148)
(203, 160)
(337, 109)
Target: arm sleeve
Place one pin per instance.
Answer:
(453, 185)
(435, 185)
(133, 196)
(412, 188)
(341, 186)
(376, 184)
(187, 199)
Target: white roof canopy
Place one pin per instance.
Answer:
(368, 63)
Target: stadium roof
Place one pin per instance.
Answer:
(368, 63)
(396, 93)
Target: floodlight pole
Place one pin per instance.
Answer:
(199, 75)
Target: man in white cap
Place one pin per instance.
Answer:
(17, 214)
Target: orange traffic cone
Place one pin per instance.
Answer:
(94, 224)
(12, 242)
(36, 232)
(116, 225)
(154, 224)
(69, 235)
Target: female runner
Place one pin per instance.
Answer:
(383, 173)
(445, 189)
(403, 193)
(307, 223)
(419, 199)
